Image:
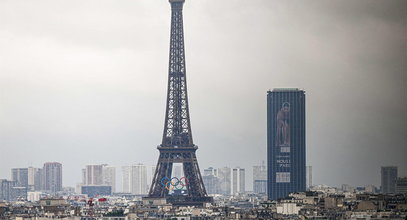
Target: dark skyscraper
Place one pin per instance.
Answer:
(389, 179)
(285, 142)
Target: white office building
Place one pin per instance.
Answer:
(135, 179)
(260, 179)
(109, 177)
(238, 180)
(94, 175)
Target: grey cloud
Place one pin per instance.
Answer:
(85, 81)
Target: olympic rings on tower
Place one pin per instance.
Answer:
(174, 183)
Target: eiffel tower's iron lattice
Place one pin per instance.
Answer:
(177, 145)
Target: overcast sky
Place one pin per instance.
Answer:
(84, 82)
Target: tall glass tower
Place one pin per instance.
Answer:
(389, 179)
(285, 142)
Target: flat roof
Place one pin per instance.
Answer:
(286, 90)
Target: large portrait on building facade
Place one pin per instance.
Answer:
(283, 126)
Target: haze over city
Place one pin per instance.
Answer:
(85, 82)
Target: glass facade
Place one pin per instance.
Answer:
(285, 142)
(389, 179)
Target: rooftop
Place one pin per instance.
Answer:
(286, 90)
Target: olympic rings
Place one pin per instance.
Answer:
(166, 179)
(174, 183)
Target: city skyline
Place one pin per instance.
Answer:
(92, 87)
(221, 180)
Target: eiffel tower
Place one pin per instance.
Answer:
(177, 145)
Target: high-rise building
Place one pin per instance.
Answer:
(52, 177)
(231, 181)
(11, 191)
(260, 179)
(99, 175)
(83, 177)
(238, 180)
(18, 193)
(211, 180)
(211, 183)
(401, 185)
(225, 180)
(139, 179)
(210, 171)
(285, 142)
(6, 188)
(31, 176)
(135, 179)
(94, 175)
(309, 177)
(109, 177)
(389, 178)
(34, 178)
(126, 171)
(150, 175)
(20, 175)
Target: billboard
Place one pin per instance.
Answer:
(282, 143)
